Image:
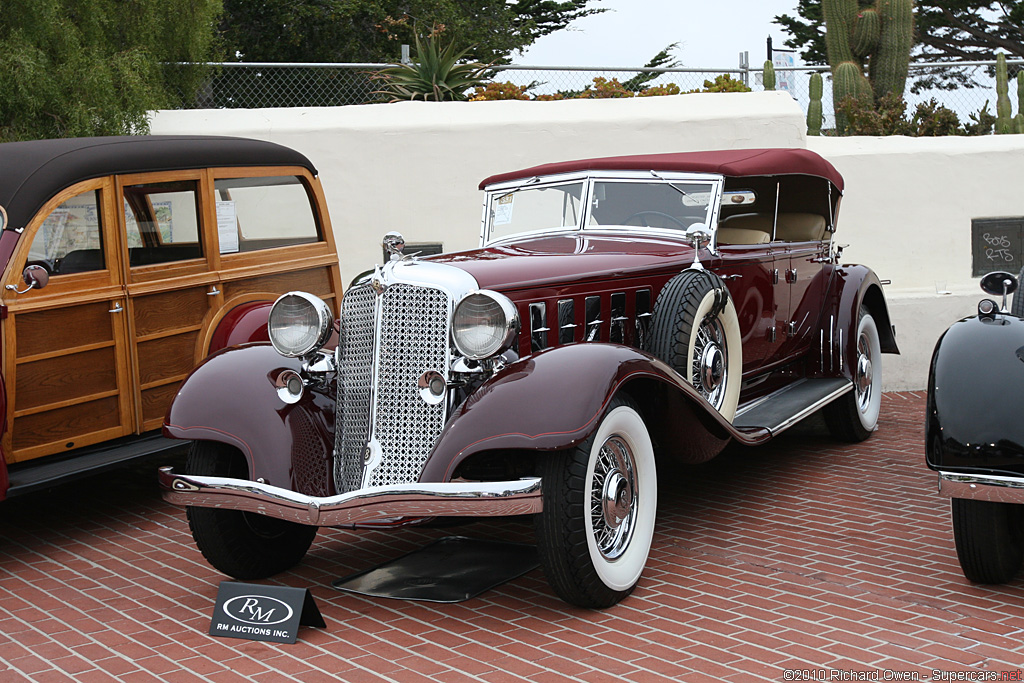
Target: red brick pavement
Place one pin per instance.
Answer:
(804, 554)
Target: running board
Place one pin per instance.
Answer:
(782, 409)
(31, 476)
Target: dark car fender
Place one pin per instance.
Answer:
(973, 421)
(554, 399)
(231, 397)
(853, 287)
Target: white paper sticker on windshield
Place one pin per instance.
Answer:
(696, 198)
(503, 209)
(227, 227)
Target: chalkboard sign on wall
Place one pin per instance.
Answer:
(997, 244)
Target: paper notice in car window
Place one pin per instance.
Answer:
(696, 199)
(227, 227)
(503, 210)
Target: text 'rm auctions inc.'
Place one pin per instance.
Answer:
(895, 675)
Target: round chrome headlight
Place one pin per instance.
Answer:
(485, 324)
(299, 325)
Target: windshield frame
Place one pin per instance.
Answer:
(589, 178)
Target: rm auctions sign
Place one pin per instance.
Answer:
(269, 613)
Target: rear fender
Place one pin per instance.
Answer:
(231, 398)
(854, 286)
(554, 399)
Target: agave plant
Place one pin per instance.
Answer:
(435, 75)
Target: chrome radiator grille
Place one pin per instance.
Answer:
(378, 382)
(355, 374)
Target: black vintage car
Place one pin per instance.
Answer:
(975, 434)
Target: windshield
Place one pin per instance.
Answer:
(535, 208)
(672, 206)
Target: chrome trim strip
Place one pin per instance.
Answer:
(982, 487)
(450, 499)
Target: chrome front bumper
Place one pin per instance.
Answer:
(450, 499)
(982, 487)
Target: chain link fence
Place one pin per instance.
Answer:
(257, 85)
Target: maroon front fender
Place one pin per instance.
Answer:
(553, 400)
(231, 398)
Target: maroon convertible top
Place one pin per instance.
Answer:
(734, 163)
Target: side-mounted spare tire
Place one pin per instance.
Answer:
(695, 330)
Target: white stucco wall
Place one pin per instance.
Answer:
(415, 167)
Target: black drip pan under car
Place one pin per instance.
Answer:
(451, 569)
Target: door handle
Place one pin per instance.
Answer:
(213, 292)
(116, 309)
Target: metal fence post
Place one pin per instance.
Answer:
(745, 68)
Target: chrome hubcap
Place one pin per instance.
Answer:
(864, 375)
(710, 362)
(613, 497)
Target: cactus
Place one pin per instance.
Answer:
(1018, 120)
(814, 114)
(891, 59)
(848, 81)
(1004, 110)
(866, 32)
(880, 36)
(769, 75)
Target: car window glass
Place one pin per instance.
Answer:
(70, 240)
(162, 222)
(674, 206)
(262, 213)
(535, 208)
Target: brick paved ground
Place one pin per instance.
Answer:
(805, 554)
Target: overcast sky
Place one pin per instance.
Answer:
(710, 33)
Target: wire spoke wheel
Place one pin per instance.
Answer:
(613, 497)
(710, 365)
(600, 505)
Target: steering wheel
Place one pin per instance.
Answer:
(643, 214)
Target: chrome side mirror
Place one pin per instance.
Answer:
(999, 282)
(697, 235)
(35, 277)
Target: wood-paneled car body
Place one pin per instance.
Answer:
(974, 435)
(126, 261)
(616, 308)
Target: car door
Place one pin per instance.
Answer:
(66, 357)
(750, 272)
(802, 248)
(171, 281)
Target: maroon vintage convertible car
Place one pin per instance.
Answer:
(618, 311)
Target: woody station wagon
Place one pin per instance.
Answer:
(618, 311)
(126, 261)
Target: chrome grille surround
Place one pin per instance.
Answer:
(395, 328)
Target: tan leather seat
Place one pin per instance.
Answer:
(745, 228)
(800, 227)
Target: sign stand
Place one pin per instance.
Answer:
(268, 613)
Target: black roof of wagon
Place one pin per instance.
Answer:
(31, 172)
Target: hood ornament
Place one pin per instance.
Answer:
(394, 244)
